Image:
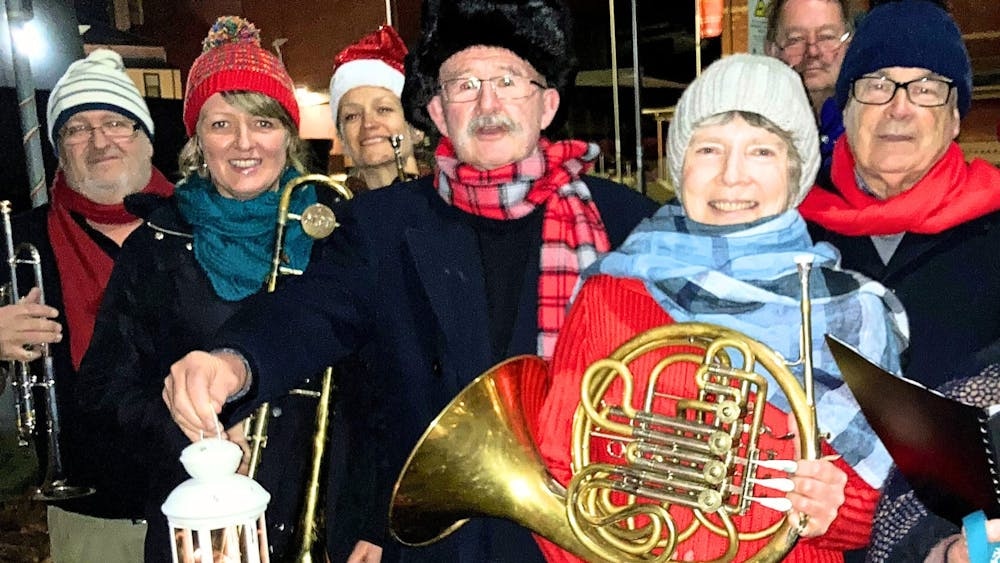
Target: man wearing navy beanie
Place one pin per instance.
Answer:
(909, 211)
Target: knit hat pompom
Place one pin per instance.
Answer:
(230, 29)
(233, 60)
(753, 84)
(98, 82)
(908, 33)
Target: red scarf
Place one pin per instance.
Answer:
(951, 193)
(84, 268)
(572, 231)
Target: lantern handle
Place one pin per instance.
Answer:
(218, 430)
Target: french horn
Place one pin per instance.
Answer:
(651, 471)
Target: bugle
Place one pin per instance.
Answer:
(24, 381)
(651, 469)
(318, 221)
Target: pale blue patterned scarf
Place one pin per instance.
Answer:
(234, 240)
(745, 278)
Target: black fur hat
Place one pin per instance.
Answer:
(539, 31)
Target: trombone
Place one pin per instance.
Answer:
(318, 221)
(24, 382)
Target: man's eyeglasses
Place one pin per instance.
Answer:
(925, 92)
(826, 42)
(113, 129)
(506, 87)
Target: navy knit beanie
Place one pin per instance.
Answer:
(908, 33)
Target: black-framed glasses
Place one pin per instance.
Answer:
(114, 129)
(879, 90)
(826, 42)
(506, 87)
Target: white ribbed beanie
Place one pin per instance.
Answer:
(96, 82)
(754, 84)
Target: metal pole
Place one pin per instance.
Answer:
(19, 13)
(614, 91)
(697, 38)
(640, 183)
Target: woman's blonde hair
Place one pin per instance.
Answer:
(191, 160)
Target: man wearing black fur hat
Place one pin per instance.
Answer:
(432, 282)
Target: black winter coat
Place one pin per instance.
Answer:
(403, 283)
(159, 305)
(949, 284)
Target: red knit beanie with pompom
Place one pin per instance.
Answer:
(233, 60)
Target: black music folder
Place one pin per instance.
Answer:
(946, 450)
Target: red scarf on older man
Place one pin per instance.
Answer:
(951, 193)
(84, 268)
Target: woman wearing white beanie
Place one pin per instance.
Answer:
(743, 153)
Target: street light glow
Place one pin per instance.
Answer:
(28, 39)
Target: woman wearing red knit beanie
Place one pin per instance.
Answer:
(197, 259)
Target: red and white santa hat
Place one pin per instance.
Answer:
(374, 60)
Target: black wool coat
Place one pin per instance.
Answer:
(402, 283)
(949, 284)
(159, 305)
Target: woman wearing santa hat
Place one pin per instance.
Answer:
(364, 99)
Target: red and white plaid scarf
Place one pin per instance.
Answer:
(572, 231)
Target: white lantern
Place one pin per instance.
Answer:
(217, 516)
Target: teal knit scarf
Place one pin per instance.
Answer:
(234, 240)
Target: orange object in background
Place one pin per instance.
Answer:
(711, 17)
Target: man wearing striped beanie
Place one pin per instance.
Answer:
(101, 130)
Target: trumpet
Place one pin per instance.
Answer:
(646, 478)
(396, 141)
(318, 221)
(24, 382)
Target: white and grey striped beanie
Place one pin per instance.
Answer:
(96, 82)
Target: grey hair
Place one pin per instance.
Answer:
(777, 6)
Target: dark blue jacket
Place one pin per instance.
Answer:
(159, 305)
(401, 282)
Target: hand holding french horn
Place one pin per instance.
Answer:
(816, 496)
(26, 324)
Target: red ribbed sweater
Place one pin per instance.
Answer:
(607, 313)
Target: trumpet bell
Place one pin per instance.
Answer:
(61, 490)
